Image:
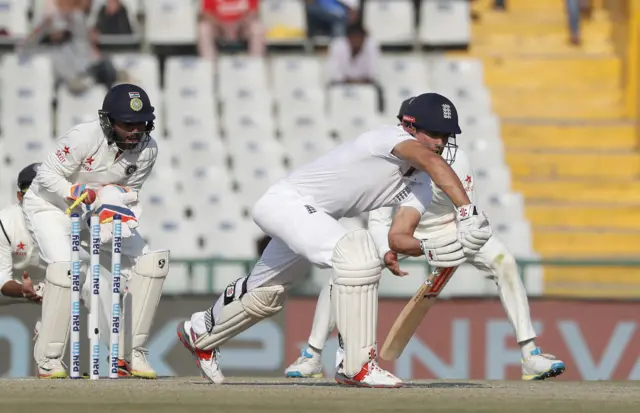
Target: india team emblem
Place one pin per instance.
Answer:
(136, 104)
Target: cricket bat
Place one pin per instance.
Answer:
(414, 312)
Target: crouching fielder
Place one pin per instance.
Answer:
(116, 149)
(437, 221)
(301, 214)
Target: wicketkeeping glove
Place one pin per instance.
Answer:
(474, 229)
(444, 251)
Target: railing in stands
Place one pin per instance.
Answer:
(524, 266)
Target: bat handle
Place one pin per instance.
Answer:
(77, 202)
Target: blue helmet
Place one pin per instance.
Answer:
(127, 104)
(432, 112)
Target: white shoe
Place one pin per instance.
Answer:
(139, 366)
(51, 369)
(540, 366)
(371, 375)
(308, 365)
(206, 360)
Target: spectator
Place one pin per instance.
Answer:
(113, 19)
(575, 10)
(354, 58)
(330, 17)
(229, 20)
(77, 61)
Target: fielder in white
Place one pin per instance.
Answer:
(17, 250)
(301, 215)
(116, 149)
(438, 220)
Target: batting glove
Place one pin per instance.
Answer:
(474, 229)
(445, 251)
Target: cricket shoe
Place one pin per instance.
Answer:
(308, 365)
(540, 366)
(51, 369)
(206, 360)
(139, 366)
(371, 375)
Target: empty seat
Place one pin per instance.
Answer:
(390, 22)
(197, 153)
(301, 100)
(36, 126)
(143, 69)
(295, 72)
(189, 73)
(352, 98)
(238, 122)
(517, 236)
(306, 149)
(20, 152)
(458, 72)
(285, 21)
(13, 17)
(253, 180)
(170, 22)
(483, 153)
(185, 125)
(492, 180)
(78, 108)
(445, 22)
(240, 72)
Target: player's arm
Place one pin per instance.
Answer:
(378, 226)
(433, 164)
(65, 160)
(400, 235)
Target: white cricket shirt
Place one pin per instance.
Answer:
(82, 156)
(18, 252)
(360, 175)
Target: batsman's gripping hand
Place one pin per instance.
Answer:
(444, 251)
(474, 229)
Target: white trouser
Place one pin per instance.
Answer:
(493, 256)
(301, 233)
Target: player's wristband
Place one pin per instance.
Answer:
(466, 212)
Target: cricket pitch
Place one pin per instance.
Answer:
(195, 395)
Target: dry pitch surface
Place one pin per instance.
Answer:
(194, 395)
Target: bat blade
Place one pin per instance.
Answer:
(414, 312)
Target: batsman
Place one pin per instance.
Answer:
(116, 149)
(404, 235)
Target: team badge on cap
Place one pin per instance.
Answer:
(136, 104)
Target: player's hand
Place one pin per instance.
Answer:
(79, 190)
(28, 291)
(444, 251)
(474, 229)
(391, 261)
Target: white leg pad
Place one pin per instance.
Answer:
(145, 290)
(241, 309)
(356, 276)
(56, 312)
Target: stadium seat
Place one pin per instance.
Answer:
(402, 76)
(199, 123)
(75, 109)
(27, 124)
(240, 72)
(170, 22)
(352, 109)
(458, 72)
(285, 21)
(142, 69)
(238, 121)
(492, 180)
(13, 18)
(390, 22)
(301, 101)
(289, 73)
(474, 125)
(517, 235)
(445, 22)
(483, 153)
(305, 137)
(20, 152)
(197, 153)
(189, 73)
